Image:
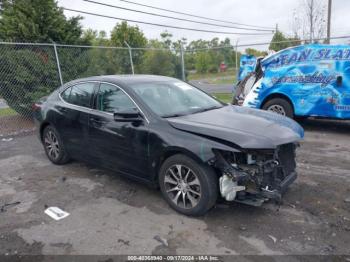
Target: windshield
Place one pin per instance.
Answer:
(174, 98)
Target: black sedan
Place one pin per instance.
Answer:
(170, 134)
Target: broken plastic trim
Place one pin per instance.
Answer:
(227, 169)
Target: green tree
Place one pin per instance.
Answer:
(158, 62)
(122, 33)
(26, 75)
(203, 62)
(29, 72)
(280, 41)
(103, 61)
(254, 52)
(37, 21)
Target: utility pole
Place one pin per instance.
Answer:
(237, 66)
(311, 15)
(329, 21)
(182, 62)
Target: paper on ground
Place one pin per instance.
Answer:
(56, 213)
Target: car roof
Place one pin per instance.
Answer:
(125, 79)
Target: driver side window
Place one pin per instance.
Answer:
(111, 98)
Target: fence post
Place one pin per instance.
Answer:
(130, 54)
(182, 62)
(237, 67)
(58, 63)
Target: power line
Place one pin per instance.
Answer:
(176, 18)
(187, 14)
(161, 25)
(267, 43)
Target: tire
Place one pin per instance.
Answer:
(198, 187)
(279, 106)
(53, 145)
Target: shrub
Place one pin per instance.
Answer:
(26, 75)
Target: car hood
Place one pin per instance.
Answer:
(245, 127)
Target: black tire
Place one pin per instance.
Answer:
(208, 186)
(50, 134)
(279, 103)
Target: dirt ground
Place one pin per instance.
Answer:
(14, 125)
(111, 215)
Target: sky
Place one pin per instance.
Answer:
(265, 13)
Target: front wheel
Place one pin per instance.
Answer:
(189, 187)
(279, 106)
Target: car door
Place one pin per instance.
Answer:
(72, 117)
(121, 146)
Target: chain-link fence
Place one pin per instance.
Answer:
(31, 71)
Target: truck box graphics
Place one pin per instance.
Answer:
(314, 78)
(246, 65)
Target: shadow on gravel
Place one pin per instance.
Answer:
(326, 125)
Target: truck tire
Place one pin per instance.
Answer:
(280, 106)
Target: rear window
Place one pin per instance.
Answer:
(79, 94)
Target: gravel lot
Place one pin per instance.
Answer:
(113, 215)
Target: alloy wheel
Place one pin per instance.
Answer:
(182, 186)
(52, 145)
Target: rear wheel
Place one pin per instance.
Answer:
(188, 187)
(279, 106)
(54, 147)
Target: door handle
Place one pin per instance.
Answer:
(96, 121)
(62, 109)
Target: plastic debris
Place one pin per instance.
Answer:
(161, 240)
(243, 228)
(3, 207)
(127, 243)
(7, 139)
(273, 238)
(56, 213)
(229, 188)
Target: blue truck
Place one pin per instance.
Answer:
(303, 81)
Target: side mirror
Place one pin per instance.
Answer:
(127, 115)
(339, 80)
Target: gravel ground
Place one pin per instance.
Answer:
(111, 215)
(14, 125)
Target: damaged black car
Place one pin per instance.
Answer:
(170, 134)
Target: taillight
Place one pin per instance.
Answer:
(36, 107)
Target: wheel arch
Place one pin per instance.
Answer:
(277, 95)
(42, 127)
(169, 152)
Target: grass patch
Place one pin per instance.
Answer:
(228, 77)
(223, 97)
(7, 112)
(218, 81)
